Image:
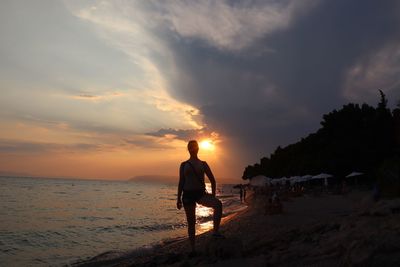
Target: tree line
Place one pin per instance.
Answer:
(354, 138)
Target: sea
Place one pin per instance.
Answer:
(58, 222)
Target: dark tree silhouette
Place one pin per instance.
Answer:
(383, 103)
(352, 138)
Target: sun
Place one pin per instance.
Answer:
(207, 145)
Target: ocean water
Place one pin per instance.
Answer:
(55, 222)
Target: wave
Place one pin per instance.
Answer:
(111, 257)
(140, 228)
(94, 218)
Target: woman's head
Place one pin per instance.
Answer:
(193, 147)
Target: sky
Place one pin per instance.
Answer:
(115, 89)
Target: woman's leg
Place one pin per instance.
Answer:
(190, 210)
(213, 202)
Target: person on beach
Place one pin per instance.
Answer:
(192, 185)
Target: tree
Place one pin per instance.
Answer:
(351, 138)
(383, 103)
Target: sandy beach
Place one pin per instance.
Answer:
(324, 230)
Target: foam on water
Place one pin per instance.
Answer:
(55, 222)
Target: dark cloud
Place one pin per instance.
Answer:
(51, 122)
(317, 51)
(275, 91)
(146, 143)
(87, 96)
(184, 135)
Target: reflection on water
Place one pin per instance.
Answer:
(54, 222)
(204, 212)
(204, 227)
(204, 215)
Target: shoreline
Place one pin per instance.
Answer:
(324, 230)
(121, 258)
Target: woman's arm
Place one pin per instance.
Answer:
(180, 186)
(211, 177)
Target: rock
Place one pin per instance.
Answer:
(224, 248)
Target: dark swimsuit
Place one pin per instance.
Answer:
(190, 197)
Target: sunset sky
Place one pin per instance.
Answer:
(115, 89)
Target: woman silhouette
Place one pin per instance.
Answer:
(191, 183)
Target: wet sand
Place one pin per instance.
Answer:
(324, 230)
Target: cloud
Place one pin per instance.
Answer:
(146, 142)
(230, 25)
(8, 146)
(186, 135)
(164, 139)
(380, 70)
(262, 100)
(259, 73)
(96, 98)
(87, 96)
(87, 66)
(180, 134)
(130, 28)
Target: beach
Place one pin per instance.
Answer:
(323, 230)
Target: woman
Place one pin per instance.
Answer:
(191, 183)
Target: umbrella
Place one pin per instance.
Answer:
(306, 177)
(276, 181)
(322, 176)
(354, 174)
(295, 179)
(283, 180)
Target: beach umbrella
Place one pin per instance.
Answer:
(354, 174)
(322, 176)
(282, 180)
(295, 179)
(306, 177)
(276, 181)
(259, 180)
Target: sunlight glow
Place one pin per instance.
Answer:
(207, 145)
